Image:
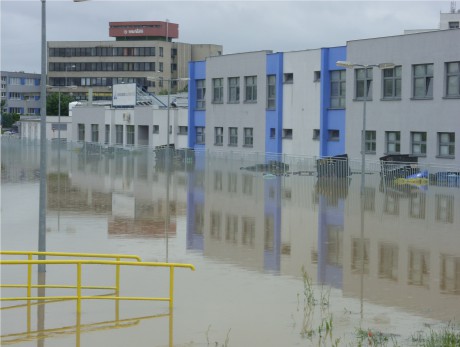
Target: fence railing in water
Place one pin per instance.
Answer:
(134, 261)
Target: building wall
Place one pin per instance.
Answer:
(21, 92)
(242, 114)
(301, 106)
(433, 115)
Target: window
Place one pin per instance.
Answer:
(454, 25)
(316, 76)
(119, 134)
(363, 84)
(94, 132)
(393, 139)
(156, 129)
(200, 94)
(81, 132)
(233, 136)
(183, 130)
(333, 135)
(338, 89)
(453, 80)
(392, 83)
(316, 133)
(287, 133)
(218, 136)
(232, 182)
(130, 134)
(161, 51)
(418, 143)
(445, 208)
(107, 134)
(234, 90)
(248, 137)
(370, 143)
(250, 83)
(446, 143)
(160, 66)
(288, 78)
(15, 81)
(200, 136)
(423, 81)
(272, 133)
(271, 92)
(217, 90)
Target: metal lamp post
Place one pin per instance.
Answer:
(42, 189)
(381, 66)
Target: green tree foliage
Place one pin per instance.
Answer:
(52, 104)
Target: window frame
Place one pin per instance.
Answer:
(455, 75)
(396, 142)
(250, 89)
(450, 144)
(200, 86)
(426, 77)
(271, 92)
(340, 94)
(217, 90)
(233, 137)
(370, 142)
(366, 82)
(395, 77)
(200, 135)
(248, 137)
(218, 136)
(95, 133)
(422, 142)
(233, 90)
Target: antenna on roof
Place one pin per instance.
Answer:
(453, 5)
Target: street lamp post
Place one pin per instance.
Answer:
(381, 66)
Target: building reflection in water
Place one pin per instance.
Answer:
(408, 256)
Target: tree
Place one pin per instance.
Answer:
(52, 104)
(8, 119)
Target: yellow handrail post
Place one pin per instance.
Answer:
(117, 276)
(29, 277)
(171, 286)
(78, 287)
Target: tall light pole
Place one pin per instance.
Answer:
(349, 65)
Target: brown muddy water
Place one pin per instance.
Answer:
(281, 260)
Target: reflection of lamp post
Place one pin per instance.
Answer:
(381, 66)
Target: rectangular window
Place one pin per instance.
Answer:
(183, 130)
(233, 90)
(423, 81)
(392, 83)
(370, 141)
(272, 133)
(81, 132)
(338, 89)
(287, 133)
(217, 90)
(94, 132)
(316, 133)
(15, 81)
(119, 134)
(454, 25)
(288, 78)
(161, 51)
(156, 129)
(218, 136)
(233, 136)
(418, 143)
(446, 142)
(333, 135)
(453, 80)
(200, 94)
(200, 136)
(250, 87)
(393, 139)
(364, 84)
(107, 134)
(316, 76)
(248, 137)
(271, 92)
(130, 134)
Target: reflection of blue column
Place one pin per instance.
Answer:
(272, 209)
(195, 201)
(329, 217)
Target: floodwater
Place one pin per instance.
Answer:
(281, 260)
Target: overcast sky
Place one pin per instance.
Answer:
(280, 26)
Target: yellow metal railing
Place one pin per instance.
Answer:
(79, 287)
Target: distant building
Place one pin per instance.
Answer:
(21, 92)
(143, 53)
